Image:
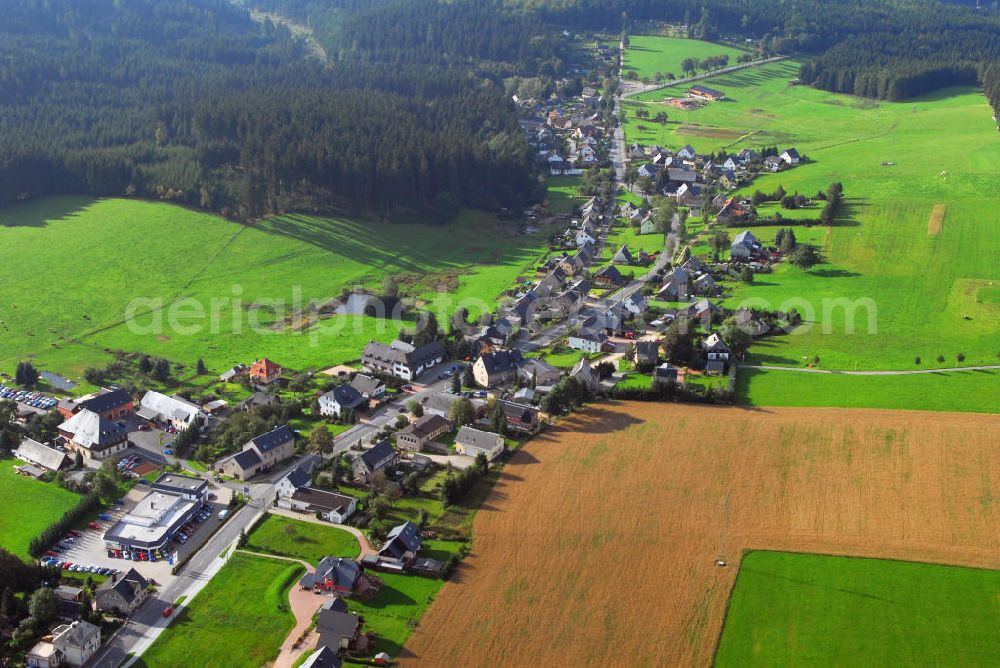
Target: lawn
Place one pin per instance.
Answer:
(396, 609)
(302, 540)
(630, 237)
(564, 360)
(648, 55)
(564, 193)
(239, 619)
(638, 381)
(197, 264)
(813, 610)
(29, 507)
(967, 391)
(929, 293)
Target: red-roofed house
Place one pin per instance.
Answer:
(264, 371)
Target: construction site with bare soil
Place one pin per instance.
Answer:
(615, 539)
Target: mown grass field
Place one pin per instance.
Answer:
(301, 540)
(29, 507)
(812, 610)
(630, 237)
(563, 193)
(648, 54)
(687, 484)
(879, 255)
(239, 619)
(966, 391)
(70, 267)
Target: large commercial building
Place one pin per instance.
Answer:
(152, 524)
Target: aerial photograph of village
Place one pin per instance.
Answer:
(460, 333)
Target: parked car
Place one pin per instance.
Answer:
(167, 611)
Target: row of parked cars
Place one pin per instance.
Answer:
(184, 533)
(33, 399)
(128, 463)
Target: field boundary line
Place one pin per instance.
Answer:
(897, 372)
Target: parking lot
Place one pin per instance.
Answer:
(88, 548)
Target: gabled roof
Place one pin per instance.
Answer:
(40, 454)
(426, 425)
(476, 438)
(376, 454)
(92, 431)
(678, 174)
(265, 366)
(590, 335)
(610, 273)
(298, 478)
(246, 459)
(272, 439)
(324, 657)
(715, 344)
(342, 573)
(501, 361)
(402, 538)
(791, 153)
(366, 384)
(745, 237)
(107, 401)
(173, 408)
(624, 254)
(519, 412)
(647, 349)
(345, 396)
(333, 626)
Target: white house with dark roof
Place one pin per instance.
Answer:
(259, 454)
(173, 410)
(341, 399)
(368, 386)
(745, 245)
(93, 436)
(403, 543)
(588, 341)
(400, 359)
(790, 156)
(470, 441)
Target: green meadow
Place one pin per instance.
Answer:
(239, 619)
(30, 506)
(308, 541)
(647, 55)
(927, 292)
(71, 266)
(564, 193)
(965, 391)
(813, 610)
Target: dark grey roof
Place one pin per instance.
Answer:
(484, 440)
(684, 175)
(501, 361)
(610, 272)
(427, 424)
(403, 538)
(324, 657)
(333, 626)
(246, 459)
(343, 573)
(520, 412)
(107, 401)
(647, 349)
(365, 384)
(298, 477)
(346, 396)
(319, 499)
(273, 439)
(376, 454)
(177, 483)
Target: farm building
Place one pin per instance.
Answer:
(706, 93)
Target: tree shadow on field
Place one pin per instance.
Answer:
(833, 273)
(39, 213)
(818, 586)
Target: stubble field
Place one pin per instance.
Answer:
(598, 545)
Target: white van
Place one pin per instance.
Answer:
(223, 514)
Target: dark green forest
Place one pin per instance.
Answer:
(191, 101)
(194, 102)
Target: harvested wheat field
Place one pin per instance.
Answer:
(598, 546)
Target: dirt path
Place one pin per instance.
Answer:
(598, 545)
(901, 372)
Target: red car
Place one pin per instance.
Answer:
(67, 565)
(74, 533)
(52, 553)
(167, 611)
(93, 525)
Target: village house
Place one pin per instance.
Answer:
(647, 353)
(234, 372)
(585, 375)
(687, 153)
(323, 657)
(371, 461)
(492, 369)
(716, 353)
(676, 287)
(70, 645)
(109, 404)
(623, 256)
(93, 436)
(264, 371)
(369, 387)
(259, 454)
(422, 431)
(609, 277)
(520, 417)
(340, 630)
(790, 156)
(123, 596)
(341, 400)
(744, 246)
(773, 163)
(403, 543)
(541, 372)
(440, 404)
(647, 226)
(402, 360)
(470, 441)
(330, 506)
(585, 236)
(174, 410)
(588, 341)
(665, 373)
(296, 479)
(33, 452)
(701, 309)
(705, 285)
(338, 576)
